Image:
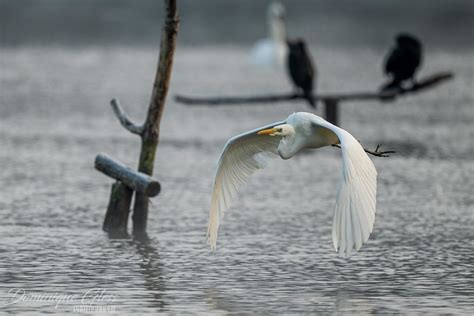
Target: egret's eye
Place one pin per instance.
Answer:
(279, 130)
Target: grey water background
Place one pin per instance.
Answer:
(62, 61)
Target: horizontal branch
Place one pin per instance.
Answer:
(425, 83)
(124, 120)
(135, 180)
(377, 152)
(422, 84)
(238, 100)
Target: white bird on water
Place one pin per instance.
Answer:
(273, 50)
(354, 213)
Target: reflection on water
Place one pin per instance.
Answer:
(152, 271)
(274, 253)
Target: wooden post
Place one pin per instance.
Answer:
(116, 218)
(128, 180)
(148, 131)
(331, 111)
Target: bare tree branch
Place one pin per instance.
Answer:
(163, 73)
(237, 100)
(424, 83)
(124, 120)
(376, 152)
(121, 195)
(151, 131)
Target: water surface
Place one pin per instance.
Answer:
(274, 252)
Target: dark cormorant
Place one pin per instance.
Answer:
(300, 68)
(403, 61)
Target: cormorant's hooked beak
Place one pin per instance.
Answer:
(270, 131)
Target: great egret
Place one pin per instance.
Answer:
(354, 213)
(273, 50)
(403, 61)
(301, 69)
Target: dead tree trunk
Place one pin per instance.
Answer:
(151, 128)
(149, 132)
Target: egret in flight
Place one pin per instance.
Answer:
(272, 51)
(354, 213)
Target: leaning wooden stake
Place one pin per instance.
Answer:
(149, 131)
(118, 210)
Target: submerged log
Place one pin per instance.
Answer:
(135, 180)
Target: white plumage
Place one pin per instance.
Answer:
(272, 51)
(268, 52)
(354, 213)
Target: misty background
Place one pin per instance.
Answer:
(441, 24)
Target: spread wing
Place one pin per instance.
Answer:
(354, 213)
(241, 157)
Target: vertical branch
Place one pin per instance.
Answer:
(163, 72)
(151, 130)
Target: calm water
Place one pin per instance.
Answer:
(274, 253)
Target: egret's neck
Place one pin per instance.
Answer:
(278, 30)
(289, 144)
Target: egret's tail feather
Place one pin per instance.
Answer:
(354, 213)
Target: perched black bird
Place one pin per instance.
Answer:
(300, 68)
(403, 61)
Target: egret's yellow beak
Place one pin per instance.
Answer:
(270, 131)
